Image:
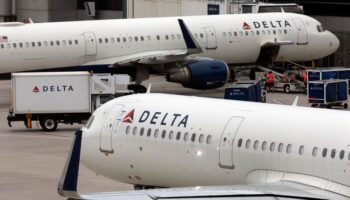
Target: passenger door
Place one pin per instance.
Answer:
(211, 37)
(301, 31)
(109, 127)
(226, 142)
(90, 44)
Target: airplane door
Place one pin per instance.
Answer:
(211, 37)
(302, 32)
(90, 44)
(109, 127)
(226, 142)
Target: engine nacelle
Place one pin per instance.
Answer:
(201, 75)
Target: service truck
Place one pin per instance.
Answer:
(61, 97)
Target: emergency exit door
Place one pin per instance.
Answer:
(301, 31)
(109, 127)
(90, 44)
(227, 140)
(211, 37)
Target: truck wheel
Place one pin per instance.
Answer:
(48, 123)
(287, 88)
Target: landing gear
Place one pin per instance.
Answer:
(137, 88)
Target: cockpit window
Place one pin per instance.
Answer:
(321, 28)
(89, 123)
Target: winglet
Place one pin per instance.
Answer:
(149, 89)
(295, 102)
(67, 187)
(190, 41)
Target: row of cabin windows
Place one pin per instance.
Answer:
(39, 44)
(171, 135)
(138, 38)
(252, 33)
(281, 148)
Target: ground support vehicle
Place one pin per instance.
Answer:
(61, 97)
(328, 93)
(246, 91)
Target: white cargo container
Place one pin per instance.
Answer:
(60, 97)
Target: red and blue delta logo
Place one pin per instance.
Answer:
(36, 89)
(129, 118)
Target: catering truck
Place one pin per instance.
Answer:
(61, 97)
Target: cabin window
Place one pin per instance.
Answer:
(158, 37)
(106, 40)
(21, 45)
(230, 34)
(301, 150)
(112, 40)
(268, 32)
(100, 40)
(241, 33)
(178, 36)
(58, 43)
(186, 137)
(124, 39)
(156, 133)
(349, 156)
(33, 44)
(246, 33)
(9, 46)
(333, 153)
(134, 131)
(172, 36)
(272, 146)
(76, 41)
(148, 38)
(235, 34)
(324, 152)
(341, 154)
(142, 38)
(171, 135)
(52, 43)
(178, 135)
(264, 146)
(209, 141)
(201, 138)
(14, 45)
(2, 46)
(193, 137)
(70, 42)
(167, 37)
(252, 33)
(149, 131)
(285, 31)
(239, 144)
(64, 42)
(314, 151)
(118, 39)
(27, 44)
(274, 32)
(45, 43)
(289, 148)
(142, 130)
(263, 32)
(256, 144)
(163, 134)
(136, 39)
(127, 130)
(257, 33)
(280, 31)
(247, 144)
(280, 147)
(223, 34)
(201, 35)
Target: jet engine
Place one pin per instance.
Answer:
(201, 75)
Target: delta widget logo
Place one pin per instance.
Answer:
(36, 89)
(129, 118)
(246, 26)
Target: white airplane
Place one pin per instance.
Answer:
(243, 149)
(193, 51)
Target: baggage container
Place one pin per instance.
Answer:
(245, 92)
(333, 92)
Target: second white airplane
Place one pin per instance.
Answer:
(193, 51)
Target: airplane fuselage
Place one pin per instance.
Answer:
(235, 39)
(173, 141)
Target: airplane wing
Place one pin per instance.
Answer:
(159, 56)
(67, 187)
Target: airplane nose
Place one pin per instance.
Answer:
(334, 43)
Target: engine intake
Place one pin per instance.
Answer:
(201, 75)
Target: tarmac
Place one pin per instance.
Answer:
(31, 161)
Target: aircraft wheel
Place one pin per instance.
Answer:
(48, 123)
